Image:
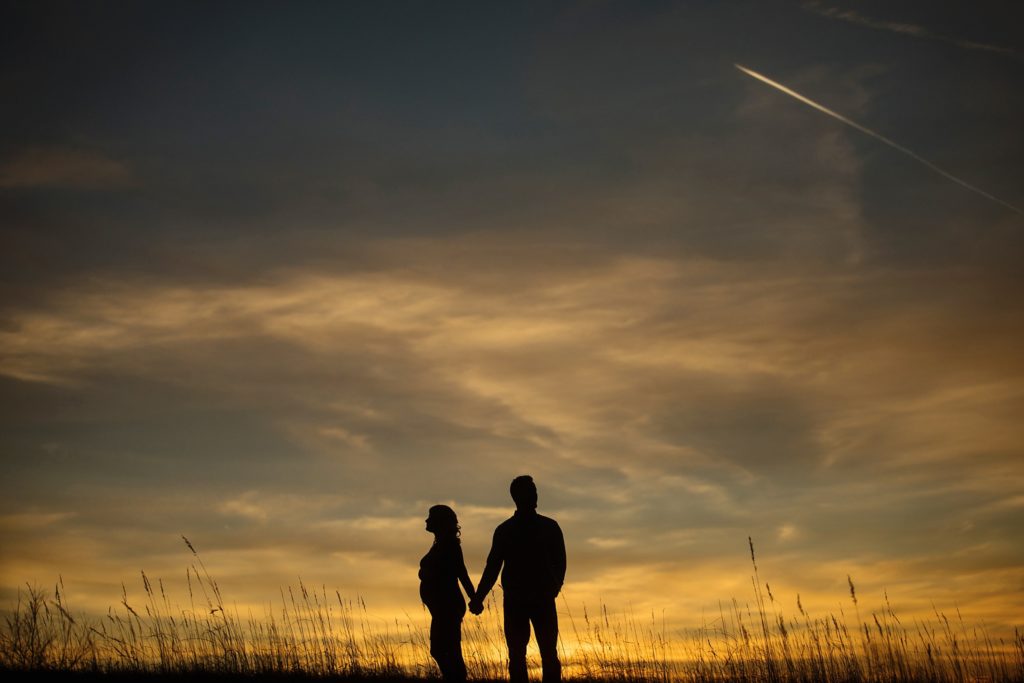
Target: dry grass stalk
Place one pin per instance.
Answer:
(316, 634)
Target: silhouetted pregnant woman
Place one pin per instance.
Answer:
(441, 571)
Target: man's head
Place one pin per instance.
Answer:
(524, 492)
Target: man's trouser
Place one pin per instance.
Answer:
(520, 612)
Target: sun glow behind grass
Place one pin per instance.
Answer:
(314, 631)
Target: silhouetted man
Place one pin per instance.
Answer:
(532, 549)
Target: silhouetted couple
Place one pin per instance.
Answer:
(531, 549)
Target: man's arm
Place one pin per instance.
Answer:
(495, 558)
(558, 558)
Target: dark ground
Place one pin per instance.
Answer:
(9, 676)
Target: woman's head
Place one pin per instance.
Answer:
(442, 522)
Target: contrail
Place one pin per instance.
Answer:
(877, 136)
(906, 29)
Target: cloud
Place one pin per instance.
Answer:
(915, 30)
(717, 352)
(668, 408)
(33, 520)
(684, 328)
(63, 168)
(247, 505)
(743, 376)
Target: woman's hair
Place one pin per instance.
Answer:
(446, 524)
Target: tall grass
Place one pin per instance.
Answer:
(314, 632)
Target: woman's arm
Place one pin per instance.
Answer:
(460, 568)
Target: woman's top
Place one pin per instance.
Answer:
(441, 570)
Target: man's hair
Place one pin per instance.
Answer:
(523, 488)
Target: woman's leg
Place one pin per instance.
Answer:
(446, 646)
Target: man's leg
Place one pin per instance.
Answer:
(545, 626)
(517, 635)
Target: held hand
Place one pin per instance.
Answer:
(476, 607)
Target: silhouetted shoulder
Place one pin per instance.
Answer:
(547, 521)
(506, 525)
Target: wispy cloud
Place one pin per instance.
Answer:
(670, 395)
(63, 167)
(686, 310)
(33, 520)
(914, 30)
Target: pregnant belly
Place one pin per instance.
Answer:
(447, 599)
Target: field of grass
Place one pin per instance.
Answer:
(316, 633)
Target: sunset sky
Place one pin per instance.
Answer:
(280, 276)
